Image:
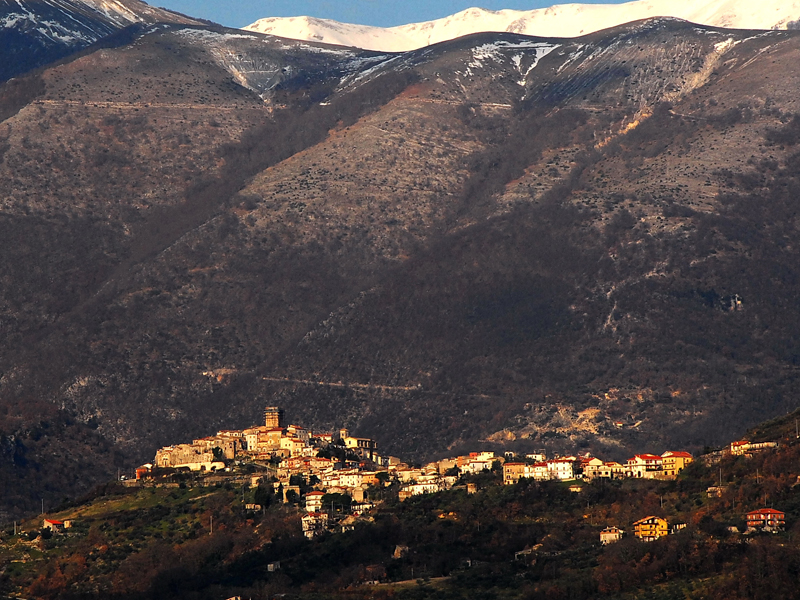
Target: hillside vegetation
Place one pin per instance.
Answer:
(198, 542)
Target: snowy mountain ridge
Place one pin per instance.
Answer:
(563, 20)
(75, 21)
(36, 32)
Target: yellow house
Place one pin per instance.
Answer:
(674, 462)
(650, 528)
(513, 472)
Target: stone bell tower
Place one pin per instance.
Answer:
(273, 417)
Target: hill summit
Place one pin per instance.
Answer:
(561, 20)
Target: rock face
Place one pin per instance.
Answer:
(576, 244)
(36, 32)
(566, 20)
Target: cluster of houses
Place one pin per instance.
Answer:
(738, 448)
(643, 466)
(652, 528)
(337, 464)
(745, 448)
(648, 529)
(260, 442)
(330, 463)
(353, 480)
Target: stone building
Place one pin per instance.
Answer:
(274, 417)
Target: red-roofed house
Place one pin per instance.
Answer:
(740, 447)
(314, 501)
(645, 466)
(743, 447)
(540, 471)
(767, 519)
(54, 525)
(674, 462)
(591, 468)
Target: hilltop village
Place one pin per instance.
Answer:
(338, 477)
(213, 519)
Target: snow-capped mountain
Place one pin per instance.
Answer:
(564, 20)
(35, 32)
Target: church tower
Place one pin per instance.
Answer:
(273, 417)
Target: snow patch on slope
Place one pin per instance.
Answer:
(565, 20)
(261, 72)
(524, 62)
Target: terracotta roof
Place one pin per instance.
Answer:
(669, 453)
(648, 456)
(765, 511)
(315, 494)
(54, 522)
(646, 519)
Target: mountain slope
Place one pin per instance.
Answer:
(565, 20)
(36, 32)
(512, 241)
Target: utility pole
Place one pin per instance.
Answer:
(212, 525)
(42, 506)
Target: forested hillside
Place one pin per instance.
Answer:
(528, 540)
